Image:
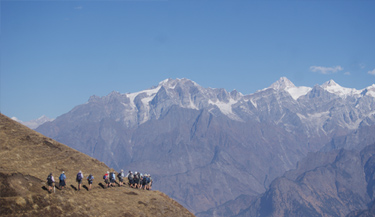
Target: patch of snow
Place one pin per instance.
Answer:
(192, 105)
(297, 92)
(371, 90)
(225, 107)
(371, 93)
(150, 95)
(254, 103)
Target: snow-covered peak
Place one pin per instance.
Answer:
(168, 83)
(33, 124)
(330, 83)
(369, 91)
(16, 119)
(285, 84)
(332, 87)
(282, 84)
(172, 83)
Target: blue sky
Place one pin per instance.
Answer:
(56, 54)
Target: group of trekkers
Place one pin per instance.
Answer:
(136, 180)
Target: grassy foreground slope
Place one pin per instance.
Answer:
(26, 159)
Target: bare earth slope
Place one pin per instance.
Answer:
(26, 159)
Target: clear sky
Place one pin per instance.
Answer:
(56, 54)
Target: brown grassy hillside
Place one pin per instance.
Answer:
(26, 159)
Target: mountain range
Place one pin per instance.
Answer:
(207, 146)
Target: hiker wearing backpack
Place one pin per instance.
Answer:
(149, 182)
(135, 179)
(131, 179)
(112, 178)
(50, 182)
(121, 176)
(79, 179)
(62, 180)
(90, 178)
(144, 182)
(106, 179)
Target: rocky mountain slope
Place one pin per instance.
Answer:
(336, 183)
(26, 159)
(199, 141)
(314, 162)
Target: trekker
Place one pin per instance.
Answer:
(79, 179)
(50, 182)
(138, 180)
(112, 178)
(144, 182)
(106, 179)
(150, 182)
(135, 179)
(90, 178)
(131, 179)
(121, 176)
(62, 180)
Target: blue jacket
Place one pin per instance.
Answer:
(62, 176)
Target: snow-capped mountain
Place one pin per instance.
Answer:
(142, 106)
(332, 87)
(33, 124)
(284, 84)
(369, 91)
(185, 133)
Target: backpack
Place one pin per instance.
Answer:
(49, 179)
(119, 175)
(131, 177)
(89, 178)
(111, 175)
(61, 177)
(79, 176)
(104, 177)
